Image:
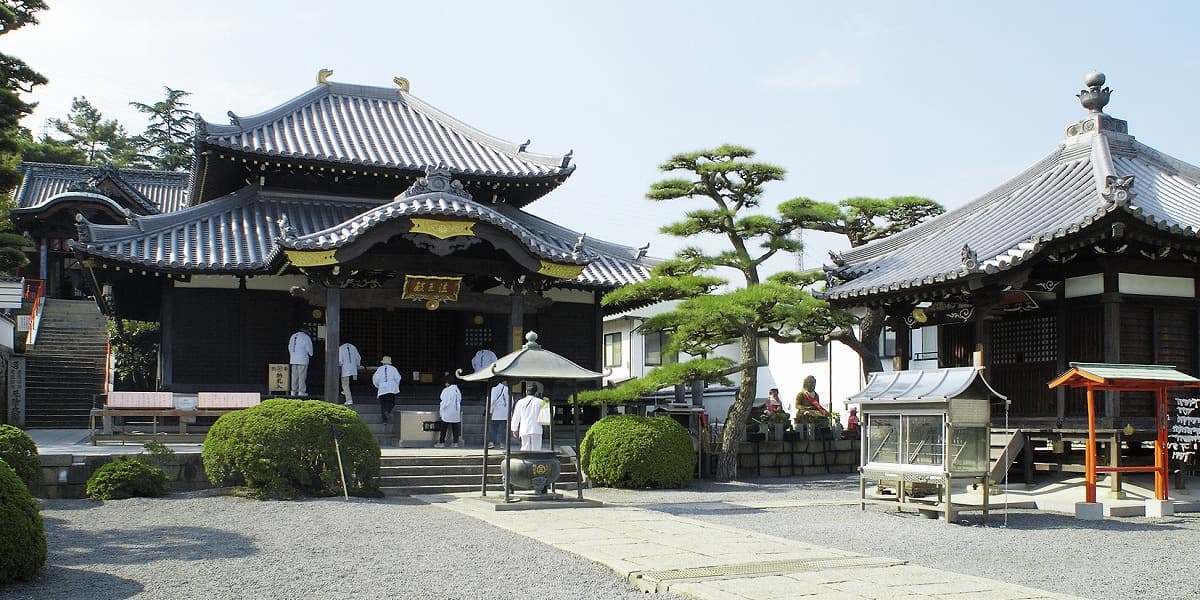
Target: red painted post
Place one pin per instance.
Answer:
(1090, 459)
(1160, 446)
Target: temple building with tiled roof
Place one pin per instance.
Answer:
(354, 213)
(1091, 254)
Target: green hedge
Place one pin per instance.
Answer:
(628, 451)
(22, 533)
(283, 448)
(18, 450)
(128, 477)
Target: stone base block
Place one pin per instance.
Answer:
(1157, 509)
(1089, 511)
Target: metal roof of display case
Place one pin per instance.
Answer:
(930, 385)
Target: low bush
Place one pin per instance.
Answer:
(18, 450)
(283, 448)
(22, 533)
(128, 477)
(628, 451)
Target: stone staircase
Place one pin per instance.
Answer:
(439, 471)
(64, 369)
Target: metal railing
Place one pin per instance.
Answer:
(35, 291)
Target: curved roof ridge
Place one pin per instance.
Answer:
(432, 203)
(149, 224)
(406, 143)
(892, 243)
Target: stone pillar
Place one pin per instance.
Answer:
(333, 339)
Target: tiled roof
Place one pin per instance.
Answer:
(1068, 190)
(240, 233)
(382, 127)
(157, 191)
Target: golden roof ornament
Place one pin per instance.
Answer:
(323, 76)
(401, 83)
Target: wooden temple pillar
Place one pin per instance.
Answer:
(516, 319)
(333, 339)
(166, 328)
(1110, 300)
(903, 346)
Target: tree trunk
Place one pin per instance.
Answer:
(866, 344)
(739, 412)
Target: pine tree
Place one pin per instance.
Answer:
(102, 141)
(167, 141)
(710, 314)
(15, 77)
(862, 221)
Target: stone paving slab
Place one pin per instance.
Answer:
(647, 547)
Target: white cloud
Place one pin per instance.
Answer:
(821, 71)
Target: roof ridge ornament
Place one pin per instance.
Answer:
(437, 179)
(1118, 190)
(323, 76)
(401, 83)
(1094, 98)
(286, 231)
(970, 260)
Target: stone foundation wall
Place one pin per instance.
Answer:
(66, 475)
(785, 459)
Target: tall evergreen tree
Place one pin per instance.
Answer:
(15, 77)
(167, 141)
(711, 314)
(862, 220)
(102, 141)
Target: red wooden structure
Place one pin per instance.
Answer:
(1104, 377)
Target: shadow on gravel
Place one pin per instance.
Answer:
(686, 509)
(139, 546)
(1029, 521)
(61, 582)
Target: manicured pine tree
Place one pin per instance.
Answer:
(15, 77)
(712, 313)
(862, 221)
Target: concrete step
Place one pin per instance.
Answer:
(416, 490)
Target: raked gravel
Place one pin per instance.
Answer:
(1122, 558)
(216, 547)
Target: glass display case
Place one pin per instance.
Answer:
(922, 431)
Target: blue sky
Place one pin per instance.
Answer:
(939, 99)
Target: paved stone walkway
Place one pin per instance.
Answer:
(658, 552)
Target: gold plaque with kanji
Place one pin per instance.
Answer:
(428, 287)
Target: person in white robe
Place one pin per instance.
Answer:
(387, 382)
(499, 397)
(525, 422)
(300, 349)
(450, 412)
(348, 361)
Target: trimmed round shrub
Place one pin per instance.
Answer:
(18, 450)
(128, 478)
(283, 448)
(22, 534)
(628, 451)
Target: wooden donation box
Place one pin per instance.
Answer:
(921, 431)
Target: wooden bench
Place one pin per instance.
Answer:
(122, 405)
(119, 406)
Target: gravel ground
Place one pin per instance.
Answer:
(199, 546)
(1116, 558)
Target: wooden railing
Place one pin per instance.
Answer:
(35, 291)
